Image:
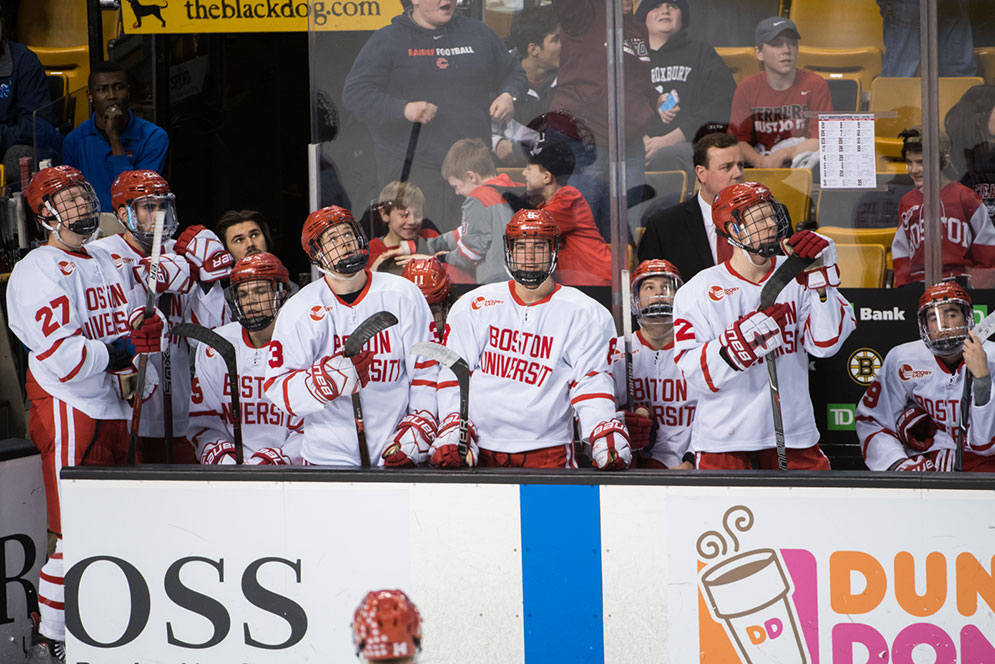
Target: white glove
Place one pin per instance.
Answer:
(915, 464)
(445, 448)
(207, 256)
(610, 446)
(173, 275)
(754, 336)
(269, 456)
(218, 453)
(410, 443)
(335, 375)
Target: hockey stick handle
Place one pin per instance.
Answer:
(357, 412)
(409, 156)
(630, 403)
(775, 404)
(964, 415)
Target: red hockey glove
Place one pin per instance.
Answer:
(610, 446)
(147, 333)
(754, 335)
(639, 426)
(445, 448)
(269, 456)
(218, 453)
(916, 429)
(915, 464)
(335, 375)
(824, 272)
(208, 258)
(411, 442)
(173, 275)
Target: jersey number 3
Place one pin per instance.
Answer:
(275, 354)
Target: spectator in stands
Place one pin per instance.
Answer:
(971, 126)
(114, 139)
(535, 38)
(684, 234)
(967, 235)
(400, 208)
(768, 109)
(900, 19)
(700, 79)
(450, 73)
(244, 232)
(23, 90)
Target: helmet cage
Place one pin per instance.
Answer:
(254, 311)
(332, 255)
(948, 340)
(661, 305)
(530, 278)
(83, 208)
(141, 213)
(751, 219)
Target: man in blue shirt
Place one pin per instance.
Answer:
(23, 90)
(114, 139)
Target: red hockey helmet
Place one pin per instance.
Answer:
(386, 625)
(748, 206)
(660, 304)
(144, 194)
(945, 317)
(255, 306)
(347, 253)
(430, 276)
(80, 213)
(537, 225)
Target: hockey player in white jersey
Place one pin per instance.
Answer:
(309, 376)
(909, 416)
(660, 426)
(721, 340)
(433, 281)
(68, 307)
(539, 355)
(187, 288)
(259, 286)
(386, 628)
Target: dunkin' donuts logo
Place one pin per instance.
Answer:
(317, 313)
(906, 372)
(716, 293)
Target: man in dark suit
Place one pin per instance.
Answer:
(684, 234)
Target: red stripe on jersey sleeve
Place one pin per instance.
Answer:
(704, 370)
(286, 397)
(55, 346)
(60, 606)
(867, 441)
(839, 332)
(57, 580)
(425, 383)
(76, 369)
(585, 397)
(425, 365)
(448, 383)
(195, 413)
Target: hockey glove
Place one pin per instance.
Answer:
(916, 429)
(640, 427)
(335, 375)
(445, 448)
(754, 336)
(411, 442)
(610, 446)
(209, 261)
(173, 275)
(915, 464)
(127, 380)
(147, 334)
(824, 272)
(218, 453)
(269, 456)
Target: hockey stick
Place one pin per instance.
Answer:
(449, 358)
(136, 414)
(365, 331)
(983, 331)
(790, 268)
(627, 337)
(409, 157)
(165, 302)
(226, 350)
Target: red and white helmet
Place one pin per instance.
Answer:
(531, 225)
(659, 304)
(386, 625)
(255, 310)
(348, 259)
(79, 212)
(946, 307)
(430, 276)
(144, 194)
(745, 205)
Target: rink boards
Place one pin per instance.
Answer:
(255, 566)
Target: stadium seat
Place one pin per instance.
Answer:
(861, 265)
(741, 60)
(984, 57)
(868, 236)
(791, 186)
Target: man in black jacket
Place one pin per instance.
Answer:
(684, 234)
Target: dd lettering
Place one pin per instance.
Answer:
(30, 594)
(771, 629)
(191, 600)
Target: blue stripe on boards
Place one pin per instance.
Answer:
(561, 574)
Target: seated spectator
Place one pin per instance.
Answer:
(244, 232)
(114, 139)
(968, 235)
(768, 108)
(535, 37)
(694, 72)
(23, 90)
(400, 208)
(971, 126)
(583, 258)
(684, 234)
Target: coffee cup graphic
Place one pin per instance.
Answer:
(749, 594)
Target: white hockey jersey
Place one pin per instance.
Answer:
(912, 374)
(533, 366)
(734, 409)
(314, 324)
(658, 385)
(195, 306)
(263, 423)
(64, 307)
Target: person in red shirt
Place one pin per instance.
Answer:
(400, 208)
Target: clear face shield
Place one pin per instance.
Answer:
(342, 249)
(143, 212)
(760, 228)
(254, 304)
(530, 261)
(944, 326)
(653, 297)
(75, 208)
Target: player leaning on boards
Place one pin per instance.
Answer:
(910, 415)
(539, 353)
(386, 628)
(309, 375)
(259, 286)
(721, 340)
(660, 426)
(69, 309)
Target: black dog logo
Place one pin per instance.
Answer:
(141, 10)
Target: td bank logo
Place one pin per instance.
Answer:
(980, 312)
(840, 416)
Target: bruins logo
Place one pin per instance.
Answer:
(863, 365)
